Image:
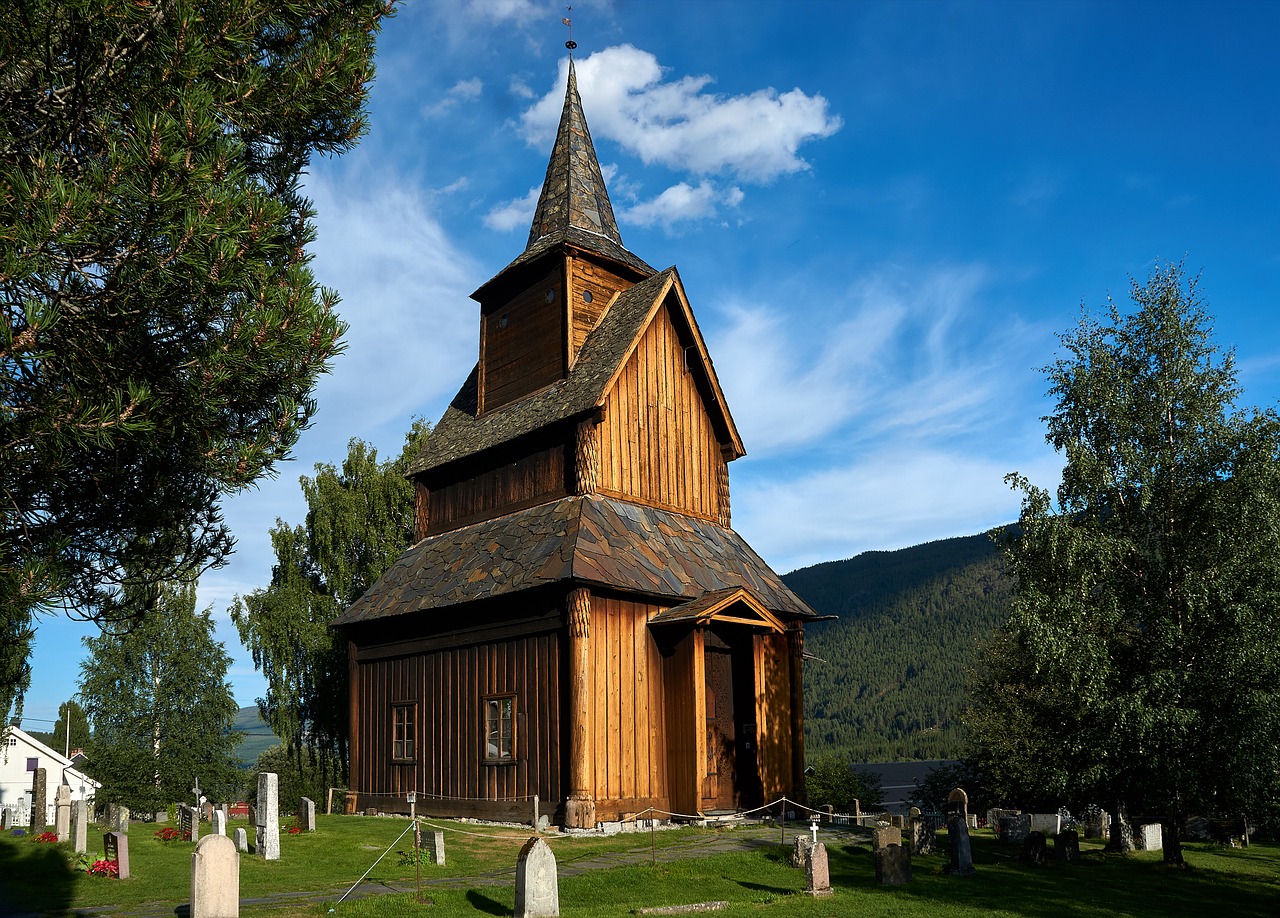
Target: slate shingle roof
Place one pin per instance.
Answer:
(592, 540)
(461, 433)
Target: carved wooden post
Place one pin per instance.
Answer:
(580, 808)
(722, 493)
(421, 510)
(586, 466)
(795, 645)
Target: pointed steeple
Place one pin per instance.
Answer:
(573, 193)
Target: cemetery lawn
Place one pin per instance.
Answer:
(757, 878)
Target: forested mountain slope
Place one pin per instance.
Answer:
(911, 624)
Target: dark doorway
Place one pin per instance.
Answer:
(732, 777)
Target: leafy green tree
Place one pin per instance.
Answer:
(156, 692)
(360, 518)
(161, 331)
(833, 781)
(81, 738)
(1139, 666)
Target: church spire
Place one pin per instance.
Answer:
(573, 193)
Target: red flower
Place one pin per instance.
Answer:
(105, 868)
(46, 837)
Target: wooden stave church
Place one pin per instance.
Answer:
(577, 620)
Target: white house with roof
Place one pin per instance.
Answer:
(20, 755)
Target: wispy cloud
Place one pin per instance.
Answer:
(514, 214)
(461, 91)
(755, 137)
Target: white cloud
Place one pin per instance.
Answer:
(514, 214)
(755, 136)
(521, 12)
(461, 91)
(683, 202)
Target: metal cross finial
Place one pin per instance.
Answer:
(570, 44)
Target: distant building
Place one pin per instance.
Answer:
(21, 754)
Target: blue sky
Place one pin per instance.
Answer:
(882, 213)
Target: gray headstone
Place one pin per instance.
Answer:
(1034, 849)
(219, 823)
(6, 819)
(1015, 829)
(1097, 825)
(39, 803)
(800, 848)
(435, 841)
(116, 848)
(62, 812)
(817, 874)
(80, 826)
(120, 821)
(898, 822)
(893, 865)
(307, 815)
(958, 802)
(189, 822)
(537, 884)
(961, 853)
(268, 816)
(242, 839)
(215, 878)
(923, 837)
(1066, 846)
(1148, 837)
(1048, 823)
(885, 836)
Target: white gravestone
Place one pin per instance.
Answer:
(219, 823)
(268, 816)
(307, 815)
(1148, 837)
(215, 878)
(537, 884)
(437, 848)
(242, 839)
(62, 812)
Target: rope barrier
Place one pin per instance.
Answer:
(412, 823)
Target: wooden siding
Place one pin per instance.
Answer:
(602, 283)
(627, 729)
(773, 714)
(528, 353)
(503, 487)
(448, 687)
(685, 710)
(657, 442)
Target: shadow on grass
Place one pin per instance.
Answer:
(1096, 884)
(760, 887)
(483, 903)
(35, 878)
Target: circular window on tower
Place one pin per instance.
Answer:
(586, 296)
(551, 294)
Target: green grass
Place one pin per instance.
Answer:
(758, 880)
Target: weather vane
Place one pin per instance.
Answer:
(570, 44)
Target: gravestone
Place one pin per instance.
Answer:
(923, 836)
(893, 865)
(219, 823)
(206, 812)
(914, 813)
(817, 873)
(79, 826)
(885, 836)
(1098, 825)
(215, 879)
(116, 848)
(961, 852)
(1034, 849)
(119, 820)
(307, 815)
(897, 822)
(1148, 837)
(537, 885)
(39, 805)
(1066, 846)
(242, 839)
(1015, 829)
(1047, 823)
(62, 812)
(268, 816)
(800, 848)
(189, 822)
(958, 802)
(436, 845)
(6, 819)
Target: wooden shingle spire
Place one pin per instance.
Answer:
(573, 193)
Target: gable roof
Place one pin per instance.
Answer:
(592, 540)
(45, 752)
(460, 432)
(735, 606)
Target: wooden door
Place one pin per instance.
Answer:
(720, 783)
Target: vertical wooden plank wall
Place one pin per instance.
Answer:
(508, 486)
(773, 714)
(602, 284)
(657, 443)
(685, 709)
(449, 688)
(628, 725)
(525, 354)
